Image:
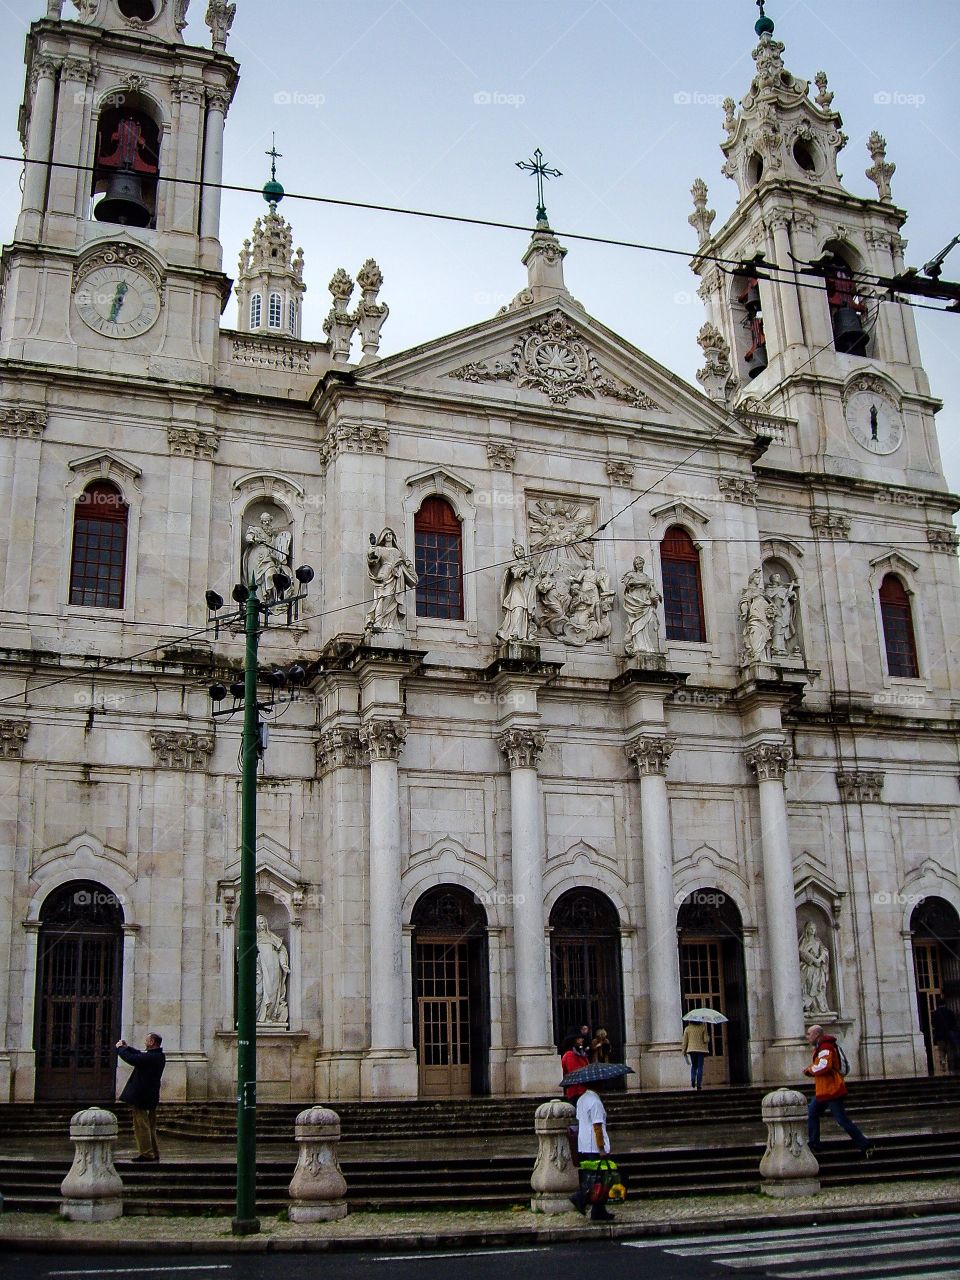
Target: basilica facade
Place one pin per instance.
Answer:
(611, 696)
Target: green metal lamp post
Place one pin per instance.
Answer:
(245, 1220)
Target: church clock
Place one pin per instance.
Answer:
(118, 301)
(874, 422)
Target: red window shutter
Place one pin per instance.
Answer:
(898, 637)
(682, 588)
(98, 559)
(439, 560)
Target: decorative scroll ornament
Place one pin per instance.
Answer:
(522, 747)
(501, 456)
(882, 170)
(553, 358)
(338, 748)
(192, 442)
(860, 786)
(23, 421)
(175, 749)
(111, 255)
(13, 738)
(830, 525)
(650, 755)
(716, 377)
(945, 540)
(702, 218)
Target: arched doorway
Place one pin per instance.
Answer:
(935, 927)
(79, 971)
(710, 934)
(586, 966)
(451, 996)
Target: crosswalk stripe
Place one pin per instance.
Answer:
(921, 1231)
(815, 1233)
(921, 1275)
(769, 1261)
(881, 1268)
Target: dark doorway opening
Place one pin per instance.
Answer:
(712, 976)
(587, 967)
(935, 926)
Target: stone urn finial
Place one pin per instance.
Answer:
(318, 1188)
(555, 1176)
(788, 1167)
(92, 1191)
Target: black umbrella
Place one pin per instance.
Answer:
(596, 1072)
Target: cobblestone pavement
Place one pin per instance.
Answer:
(423, 1229)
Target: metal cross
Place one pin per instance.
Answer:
(537, 166)
(760, 4)
(274, 155)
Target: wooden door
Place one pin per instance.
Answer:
(928, 967)
(443, 1016)
(702, 987)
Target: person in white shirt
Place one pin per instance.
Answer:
(593, 1143)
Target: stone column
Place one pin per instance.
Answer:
(43, 74)
(218, 99)
(555, 1176)
(533, 1069)
(661, 1063)
(92, 1190)
(786, 287)
(769, 761)
(383, 740)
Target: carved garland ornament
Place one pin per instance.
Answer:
(553, 358)
(175, 749)
(111, 254)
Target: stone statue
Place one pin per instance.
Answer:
(518, 599)
(392, 575)
(273, 966)
(588, 608)
(551, 605)
(756, 619)
(814, 970)
(783, 597)
(640, 600)
(219, 18)
(180, 13)
(267, 550)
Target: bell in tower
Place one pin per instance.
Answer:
(126, 168)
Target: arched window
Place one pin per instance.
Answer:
(847, 308)
(256, 310)
(275, 319)
(439, 560)
(898, 628)
(99, 554)
(682, 592)
(292, 316)
(127, 164)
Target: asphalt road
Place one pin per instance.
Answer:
(912, 1249)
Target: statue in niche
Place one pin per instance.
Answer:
(267, 550)
(814, 970)
(273, 968)
(640, 600)
(588, 608)
(783, 597)
(518, 599)
(392, 575)
(756, 620)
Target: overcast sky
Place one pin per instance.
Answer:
(429, 103)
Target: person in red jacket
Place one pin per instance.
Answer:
(576, 1056)
(830, 1091)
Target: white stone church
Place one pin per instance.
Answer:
(621, 696)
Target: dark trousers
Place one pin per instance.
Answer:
(839, 1112)
(696, 1069)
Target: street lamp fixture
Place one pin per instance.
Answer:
(255, 615)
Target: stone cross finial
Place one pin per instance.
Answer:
(702, 218)
(881, 171)
(824, 98)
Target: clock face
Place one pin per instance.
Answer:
(874, 423)
(118, 301)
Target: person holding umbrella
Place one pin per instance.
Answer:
(593, 1141)
(696, 1041)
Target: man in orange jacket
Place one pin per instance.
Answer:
(830, 1091)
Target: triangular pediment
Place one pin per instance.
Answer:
(554, 357)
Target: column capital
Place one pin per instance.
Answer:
(522, 747)
(382, 739)
(650, 754)
(179, 749)
(338, 748)
(860, 786)
(769, 760)
(13, 738)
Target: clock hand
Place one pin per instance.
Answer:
(118, 297)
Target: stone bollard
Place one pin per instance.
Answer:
(92, 1190)
(788, 1167)
(318, 1188)
(555, 1175)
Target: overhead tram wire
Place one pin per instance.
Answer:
(465, 220)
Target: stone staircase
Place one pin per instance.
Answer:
(208, 1187)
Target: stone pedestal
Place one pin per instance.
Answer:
(92, 1190)
(389, 1073)
(533, 1071)
(662, 1066)
(788, 1167)
(555, 1176)
(318, 1188)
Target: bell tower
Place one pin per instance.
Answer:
(803, 332)
(270, 284)
(116, 261)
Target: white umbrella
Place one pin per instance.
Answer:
(712, 1016)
